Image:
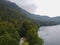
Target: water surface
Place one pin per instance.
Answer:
(50, 34)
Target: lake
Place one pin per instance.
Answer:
(50, 34)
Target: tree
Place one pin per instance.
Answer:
(8, 34)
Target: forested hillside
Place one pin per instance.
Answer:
(14, 25)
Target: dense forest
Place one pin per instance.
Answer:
(14, 26)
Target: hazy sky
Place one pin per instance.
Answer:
(42, 7)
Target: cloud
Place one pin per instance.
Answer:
(26, 4)
(30, 8)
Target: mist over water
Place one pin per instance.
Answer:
(50, 34)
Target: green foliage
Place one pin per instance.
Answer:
(8, 34)
(25, 43)
(13, 26)
(32, 35)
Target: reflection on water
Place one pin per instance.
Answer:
(50, 34)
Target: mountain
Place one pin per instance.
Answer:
(10, 10)
(56, 19)
(40, 20)
(15, 24)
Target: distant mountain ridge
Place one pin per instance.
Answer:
(56, 19)
(40, 20)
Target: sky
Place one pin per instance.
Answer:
(49, 8)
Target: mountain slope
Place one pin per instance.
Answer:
(56, 19)
(14, 25)
(40, 20)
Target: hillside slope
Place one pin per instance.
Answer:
(14, 25)
(39, 20)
